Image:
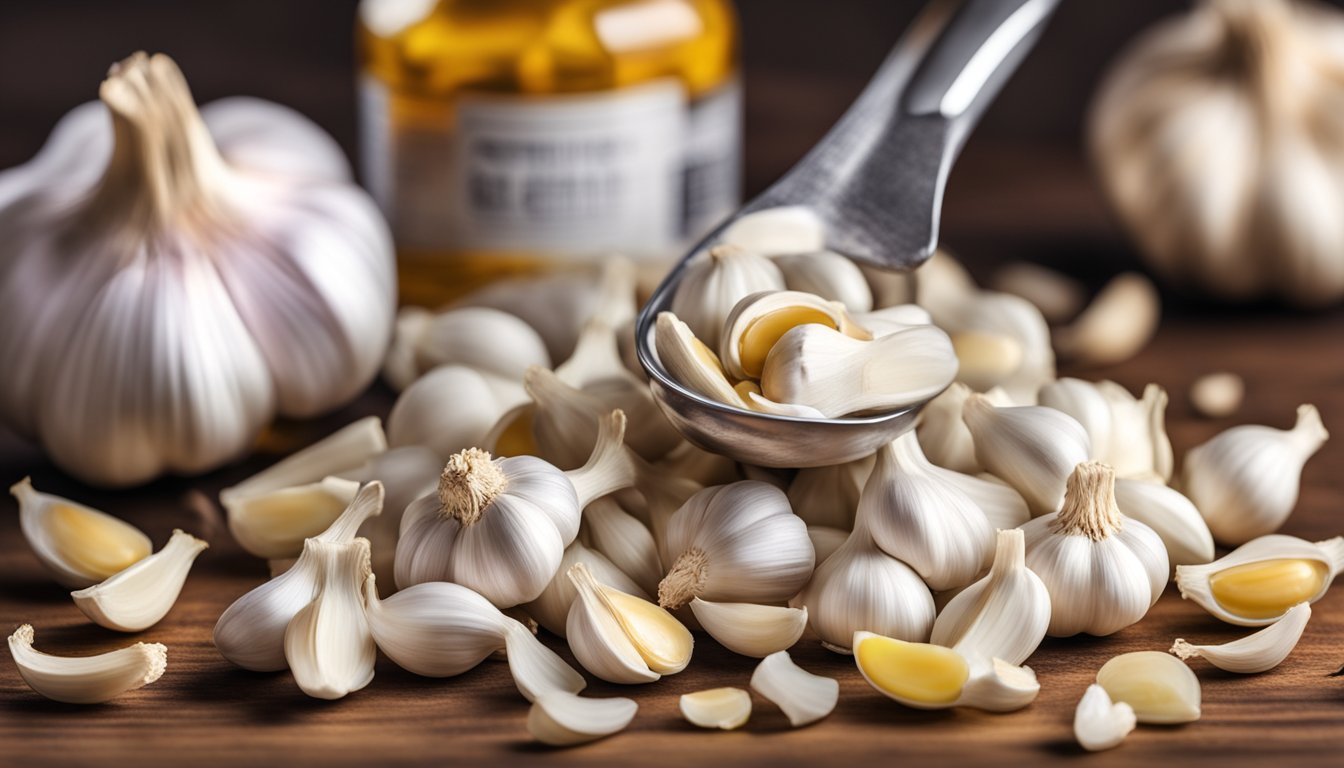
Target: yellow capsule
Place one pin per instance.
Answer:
(915, 674)
(1267, 589)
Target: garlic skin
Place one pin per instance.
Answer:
(86, 679)
(924, 676)
(1209, 185)
(1032, 448)
(138, 597)
(342, 451)
(563, 719)
(715, 280)
(1004, 615)
(79, 545)
(1157, 686)
(450, 409)
(943, 434)
(274, 295)
(804, 697)
(828, 275)
(1257, 583)
(551, 608)
(1099, 723)
(1245, 479)
(779, 231)
(1258, 652)
(723, 708)
(1171, 516)
(1103, 571)
(328, 644)
(749, 629)
(736, 543)
(621, 638)
(274, 525)
(1116, 326)
(493, 343)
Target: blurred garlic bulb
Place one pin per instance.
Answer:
(220, 268)
(492, 342)
(715, 281)
(1216, 135)
(959, 308)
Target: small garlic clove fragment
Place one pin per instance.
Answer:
(138, 597)
(79, 545)
(804, 697)
(1171, 515)
(723, 708)
(750, 629)
(985, 359)
(760, 320)
(1032, 448)
(778, 231)
(1258, 652)
(1099, 723)
(927, 676)
(86, 679)
(551, 608)
(1058, 296)
(828, 275)
(328, 644)
(341, 451)
(272, 525)
(1004, 615)
(1118, 323)
(563, 719)
(1160, 688)
(1257, 583)
(1217, 395)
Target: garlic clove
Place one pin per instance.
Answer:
(825, 541)
(760, 320)
(984, 360)
(328, 644)
(563, 719)
(399, 366)
(406, 474)
(723, 708)
(512, 433)
(551, 608)
(1032, 448)
(778, 231)
(1001, 314)
(1084, 402)
(1119, 322)
(1217, 395)
(715, 280)
(828, 275)
(564, 421)
(1245, 480)
(1003, 506)
(449, 409)
(943, 286)
(1099, 723)
(997, 686)
(341, 451)
(273, 524)
(1257, 583)
(86, 679)
(138, 597)
(489, 341)
(1258, 652)
(1159, 687)
(926, 676)
(889, 320)
(1140, 447)
(1004, 615)
(829, 496)
(750, 629)
(625, 541)
(79, 545)
(536, 669)
(943, 434)
(690, 362)
(622, 638)
(1058, 296)
(1172, 516)
(804, 697)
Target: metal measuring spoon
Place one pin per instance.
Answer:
(876, 181)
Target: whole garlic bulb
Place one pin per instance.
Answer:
(1218, 137)
(172, 279)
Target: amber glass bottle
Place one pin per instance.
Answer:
(511, 136)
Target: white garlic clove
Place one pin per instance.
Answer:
(822, 368)
(1159, 687)
(1004, 615)
(491, 342)
(625, 541)
(1119, 322)
(86, 679)
(563, 719)
(828, 275)
(943, 434)
(406, 474)
(691, 362)
(273, 524)
(889, 320)
(1003, 506)
(943, 286)
(804, 697)
(1245, 480)
(79, 545)
(1140, 447)
(1084, 402)
(1001, 314)
(722, 708)
(715, 280)
(1258, 652)
(926, 676)
(750, 629)
(1257, 583)
(622, 638)
(399, 366)
(341, 451)
(984, 360)
(889, 287)
(1217, 395)
(759, 320)
(1172, 516)
(328, 644)
(1058, 296)
(1099, 723)
(1032, 448)
(758, 402)
(138, 597)
(551, 608)
(829, 496)
(565, 419)
(449, 409)
(778, 231)
(825, 541)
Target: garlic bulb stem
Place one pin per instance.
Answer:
(1092, 511)
(469, 484)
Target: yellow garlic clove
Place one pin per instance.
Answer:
(750, 629)
(1257, 652)
(1258, 582)
(622, 638)
(1158, 686)
(272, 525)
(927, 676)
(760, 320)
(1099, 723)
(723, 708)
(804, 697)
(138, 597)
(985, 359)
(86, 679)
(563, 719)
(79, 545)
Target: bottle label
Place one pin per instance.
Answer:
(711, 185)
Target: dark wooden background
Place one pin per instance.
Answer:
(1021, 190)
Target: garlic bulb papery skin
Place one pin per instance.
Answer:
(822, 368)
(248, 277)
(79, 545)
(1004, 615)
(926, 676)
(1157, 686)
(406, 474)
(736, 543)
(139, 596)
(749, 629)
(715, 280)
(500, 526)
(493, 343)
(779, 231)
(342, 451)
(328, 644)
(1103, 570)
(563, 719)
(622, 638)
(551, 608)
(86, 679)
(1171, 516)
(1099, 723)
(1215, 137)
(1244, 481)
(1258, 652)
(804, 697)
(759, 320)
(450, 409)
(565, 418)
(829, 496)
(722, 708)
(439, 629)
(251, 632)
(1257, 583)
(943, 434)
(828, 275)
(274, 525)
(1032, 448)
(625, 542)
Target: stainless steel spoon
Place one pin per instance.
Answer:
(876, 180)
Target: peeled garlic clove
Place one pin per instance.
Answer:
(1159, 687)
(551, 608)
(759, 320)
(399, 365)
(1170, 515)
(1004, 315)
(722, 708)
(341, 451)
(328, 644)
(750, 629)
(622, 638)
(822, 368)
(1245, 480)
(1032, 448)
(450, 408)
(272, 525)
(829, 496)
(828, 275)
(563, 719)
(139, 596)
(943, 434)
(79, 545)
(985, 359)
(690, 362)
(625, 541)
(86, 679)
(1116, 325)
(1217, 395)
(1099, 723)
(825, 541)
(1004, 615)
(715, 280)
(487, 340)
(1257, 583)
(804, 697)
(778, 231)
(1257, 652)
(926, 676)
(1056, 295)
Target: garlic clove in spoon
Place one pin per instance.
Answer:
(273, 525)
(1258, 652)
(1032, 448)
(691, 362)
(750, 629)
(79, 545)
(829, 275)
(86, 679)
(760, 320)
(715, 280)
(1257, 583)
(138, 597)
